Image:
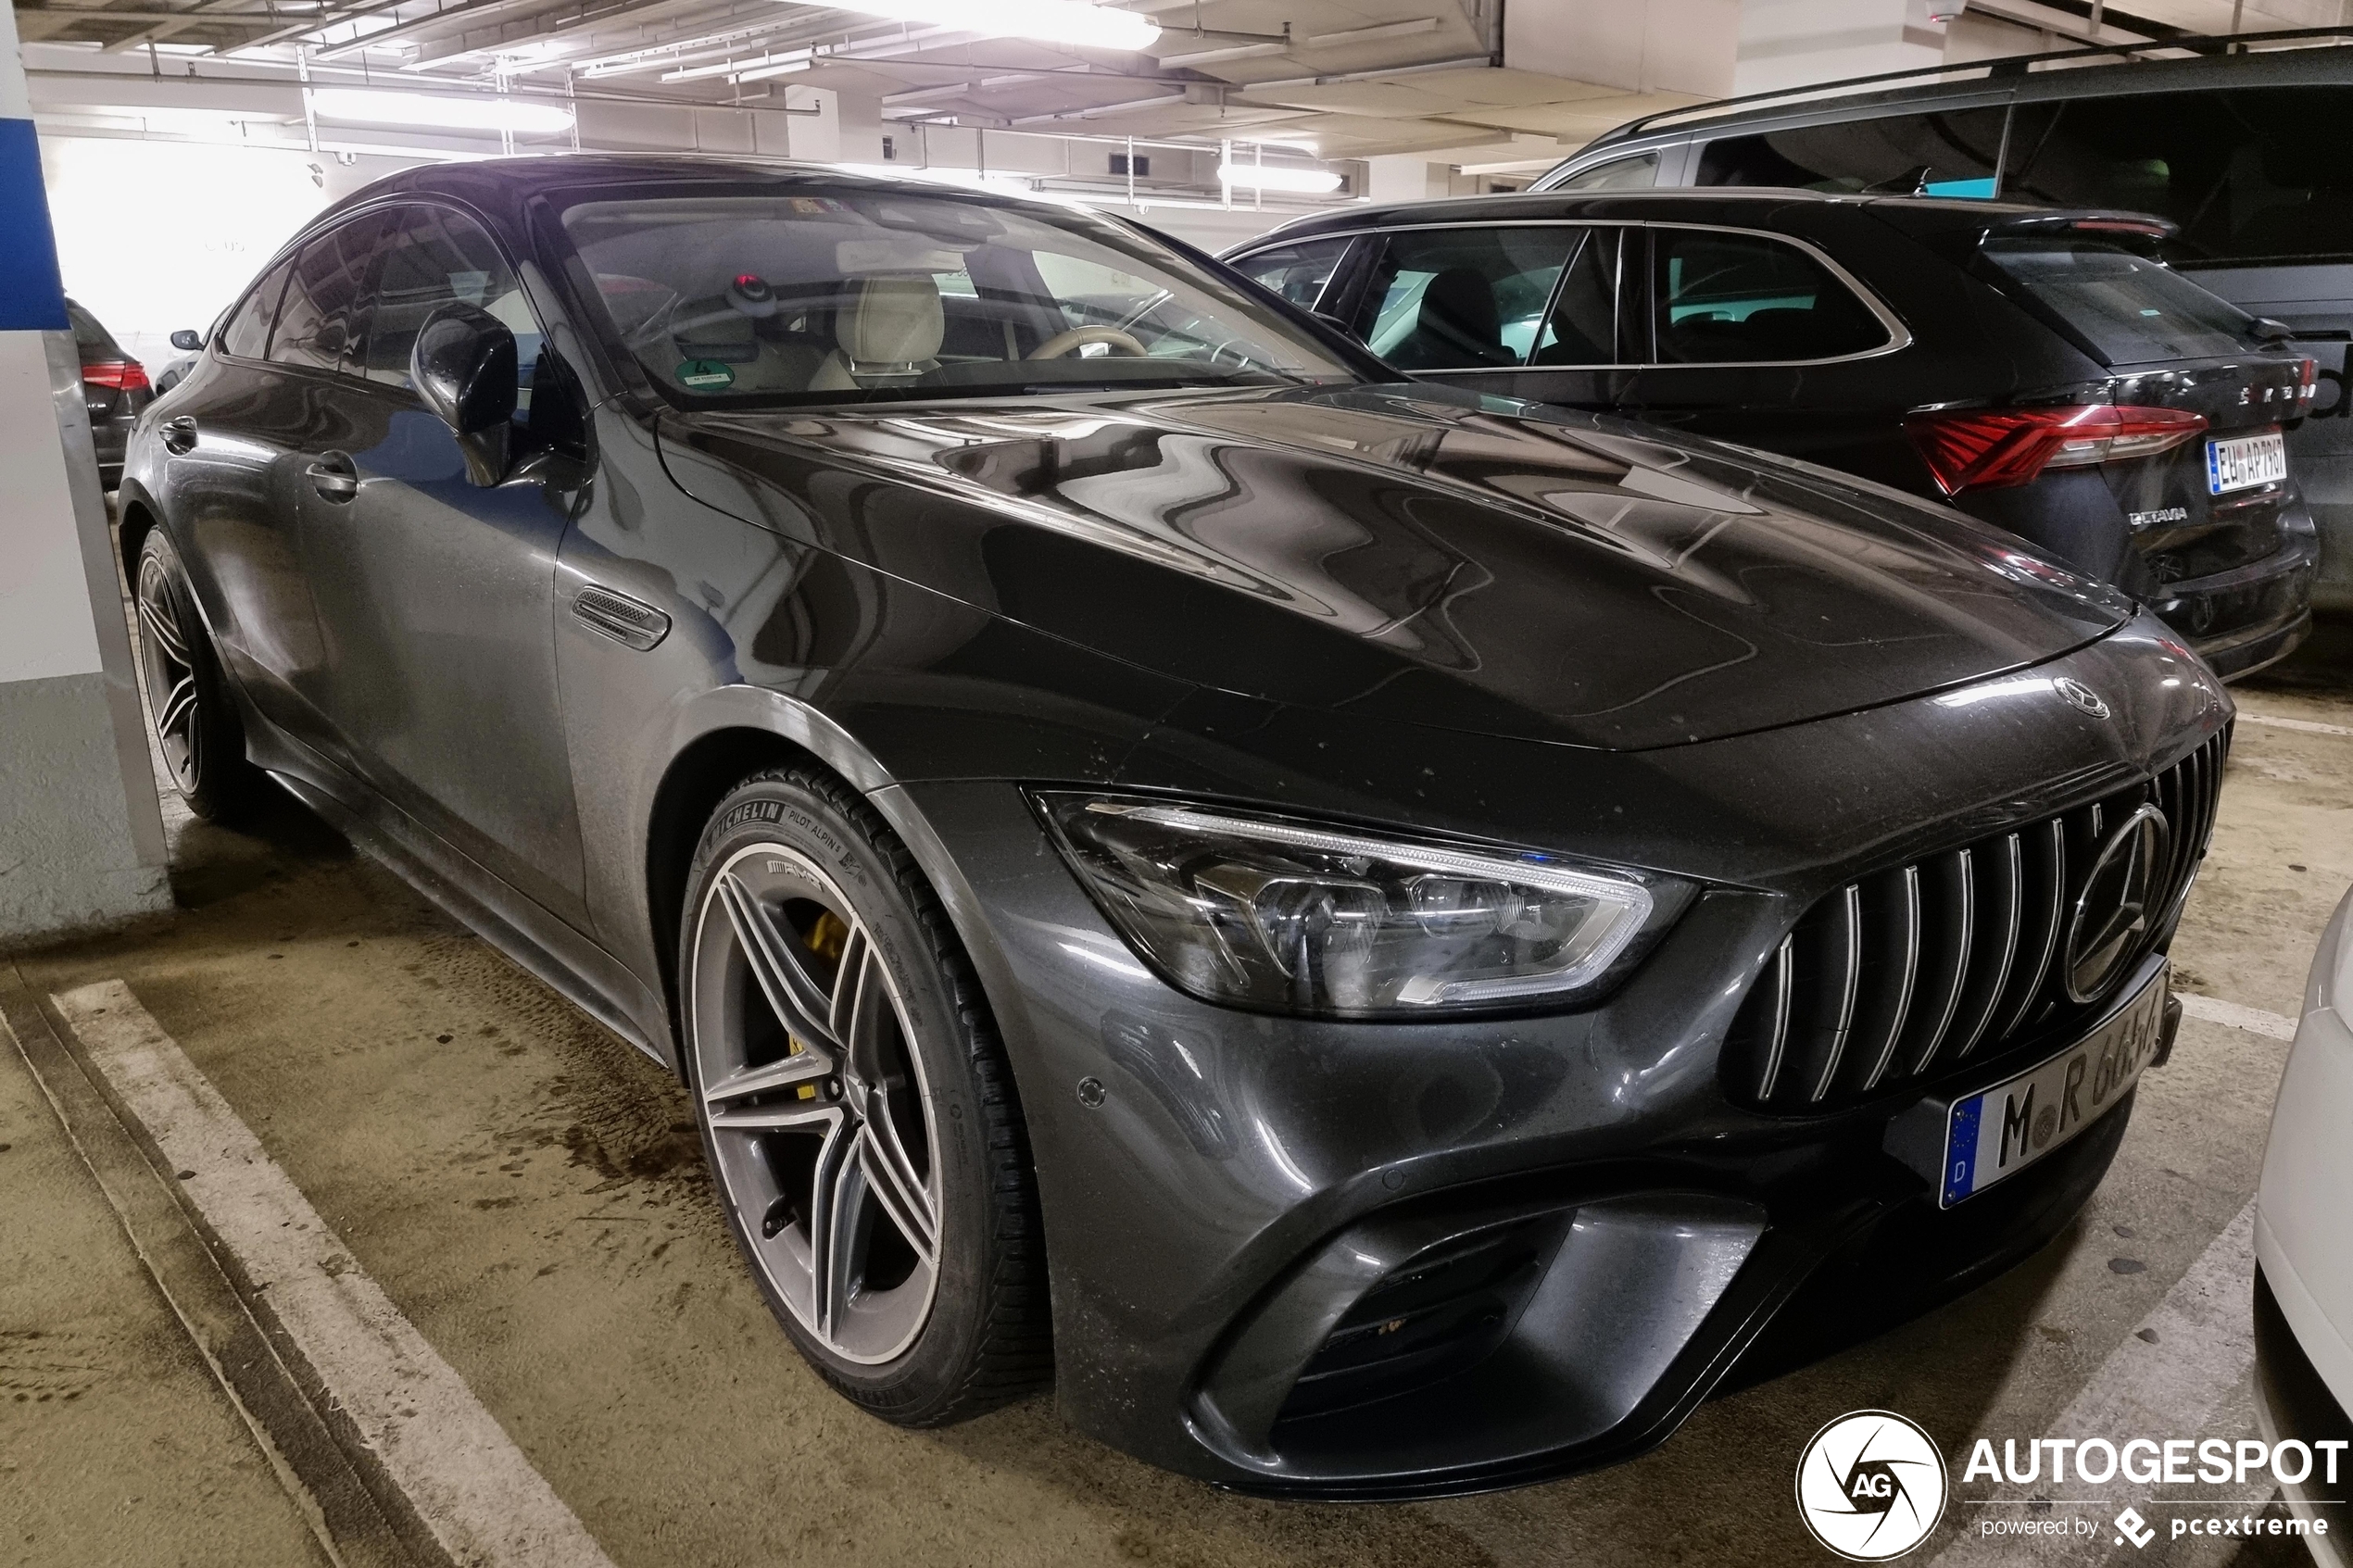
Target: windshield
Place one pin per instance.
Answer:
(858, 295)
(2130, 309)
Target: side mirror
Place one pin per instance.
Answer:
(2271, 331)
(464, 367)
(186, 341)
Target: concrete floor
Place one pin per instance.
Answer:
(530, 1192)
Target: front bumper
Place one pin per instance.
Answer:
(1311, 1258)
(2254, 615)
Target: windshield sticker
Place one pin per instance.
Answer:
(704, 375)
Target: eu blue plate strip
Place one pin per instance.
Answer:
(1960, 1149)
(32, 297)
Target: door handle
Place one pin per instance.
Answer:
(333, 477)
(180, 435)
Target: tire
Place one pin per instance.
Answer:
(189, 705)
(870, 1154)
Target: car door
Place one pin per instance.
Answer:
(435, 595)
(1521, 309)
(1764, 340)
(232, 484)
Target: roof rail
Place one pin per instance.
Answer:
(2008, 65)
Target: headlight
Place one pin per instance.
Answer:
(1280, 915)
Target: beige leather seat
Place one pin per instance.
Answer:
(890, 331)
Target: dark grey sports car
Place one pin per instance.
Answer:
(1386, 943)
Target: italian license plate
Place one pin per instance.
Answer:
(2244, 461)
(1994, 1134)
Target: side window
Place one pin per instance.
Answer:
(1582, 329)
(433, 256)
(2243, 171)
(1297, 272)
(1463, 299)
(247, 335)
(1636, 173)
(316, 323)
(1722, 298)
(1935, 155)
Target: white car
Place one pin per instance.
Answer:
(2303, 1264)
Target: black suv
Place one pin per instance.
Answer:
(2036, 368)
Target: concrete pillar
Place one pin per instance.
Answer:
(1712, 48)
(80, 837)
(1403, 177)
(858, 129)
(1799, 43)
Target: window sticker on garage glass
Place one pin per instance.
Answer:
(882, 294)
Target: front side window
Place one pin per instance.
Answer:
(433, 256)
(317, 322)
(1950, 154)
(1636, 173)
(1720, 298)
(2130, 309)
(247, 334)
(861, 295)
(2248, 173)
(1297, 272)
(1463, 299)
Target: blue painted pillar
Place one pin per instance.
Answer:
(82, 840)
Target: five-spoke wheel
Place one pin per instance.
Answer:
(856, 1106)
(197, 728)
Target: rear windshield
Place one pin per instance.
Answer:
(2126, 308)
(93, 340)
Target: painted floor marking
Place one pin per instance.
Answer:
(2254, 1021)
(2309, 726)
(466, 1479)
(2201, 1346)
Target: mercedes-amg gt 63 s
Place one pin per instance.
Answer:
(1382, 940)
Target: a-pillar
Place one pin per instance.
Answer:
(81, 838)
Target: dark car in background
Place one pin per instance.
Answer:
(114, 389)
(2238, 140)
(1381, 941)
(2035, 368)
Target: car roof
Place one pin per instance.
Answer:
(1761, 206)
(2324, 57)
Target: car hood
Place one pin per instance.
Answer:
(1405, 552)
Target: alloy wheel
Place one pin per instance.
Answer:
(168, 665)
(815, 1098)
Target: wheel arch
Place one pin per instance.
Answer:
(744, 731)
(140, 517)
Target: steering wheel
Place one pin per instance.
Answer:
(1062, 344)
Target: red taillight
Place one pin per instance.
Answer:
(2308, 380)
(1990, 448)
(123, 375)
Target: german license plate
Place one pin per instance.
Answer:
(1996, 1133)
(2245, 462)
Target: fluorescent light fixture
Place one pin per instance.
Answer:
(1275, 177)
(369, 107)
(1052, 21)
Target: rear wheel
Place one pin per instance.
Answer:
(856, 1107)
(197, 726)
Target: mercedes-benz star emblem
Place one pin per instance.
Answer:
(2115, 909)
(2080, 698)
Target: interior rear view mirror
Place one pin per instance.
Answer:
(464, 368)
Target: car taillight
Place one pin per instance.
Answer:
(1990, 448)
(123, 375)
(2308, 379)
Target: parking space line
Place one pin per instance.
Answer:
(2184, 1360)
(2309, 726)
(2254, 1021)
(468, 1485)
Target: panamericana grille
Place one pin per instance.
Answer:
(1913, 970)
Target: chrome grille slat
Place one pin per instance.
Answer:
(1846, 947)
(1961, 921)
(1908, 972)
(2001, 902)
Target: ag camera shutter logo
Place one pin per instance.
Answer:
(1871, 1486)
